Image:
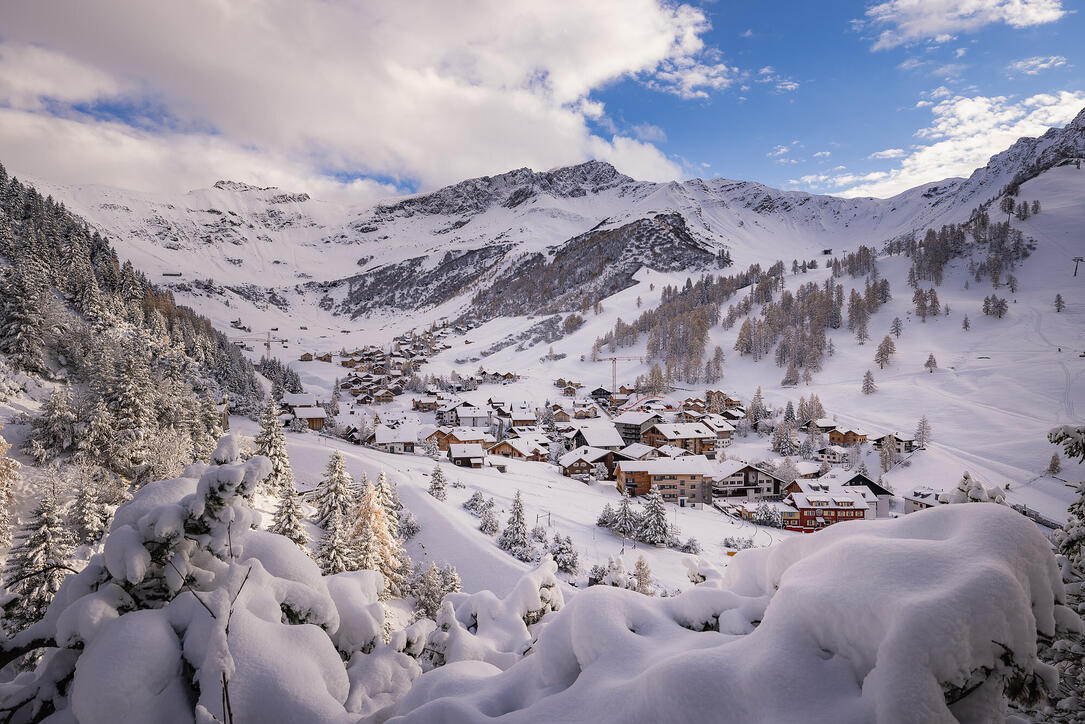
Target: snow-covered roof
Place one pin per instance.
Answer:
(829, 501)
(672, 451)
(466, 450)
(310, 413)
(635, 417)
(730, 467)
(805, 467)
(683, 430)
(601, 434)
(525, 446)
(688, 465)
(384, 435)
(717, 423)
(299, 399)
(637, 450)
(836, 449)
(586, 453)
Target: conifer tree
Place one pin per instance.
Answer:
(333, 496)
(896, 328)
(428, 592)
(965, 324)
(869, 388)
(53, 432)
(89, 515)
(625, 520)
(21, 318)
(606, 517)
(336, 552)
(1055, 466)
(514, 539)
(564, 553)
(375, 543)
(437, 483)
(9, 478)
(271, 443)
(653, 528)
(885, 351)
(37, 564)
(289, 520)
(1059, 304)
(488, 518)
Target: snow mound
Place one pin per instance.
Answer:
(932, 617)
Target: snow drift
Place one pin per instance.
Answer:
(932, 617)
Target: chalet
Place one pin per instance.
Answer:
(725, 431)
(618, 400)
(692, 436)
(312, 416)
(426, 404)
(400, 439)
(585, 413)
(903, 444)
(470, 455)
(349, 362)
(822, 425)
(921, 499)
(446, 436)
(569, 391)
(833, 454)
(326, 357)
(881, 495)
(736, 479)
(631, 425)
(846, 436)
(522, 416)
(681, 480)
(560, 415)
(306, 357)
(822, 509)
(718, 399)
(383, 397)
(519, 448)
(640, 451)
(624, 390)
(693, 404)
(807, 469)
(600, 434)
(670, 451)
(580, 463)
(294, 400)
(600, 395)
(447, 413)
(685, 415)
(472, 416)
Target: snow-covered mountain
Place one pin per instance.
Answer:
(432, 253)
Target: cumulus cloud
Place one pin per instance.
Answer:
(906, 21)
(822, 154)
(1033, 66)
(426, 93)
(888, 153)
(964, 133)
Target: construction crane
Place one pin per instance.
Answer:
(266, 338)
(614, 369)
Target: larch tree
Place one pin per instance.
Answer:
(271, 442)
(376, 546)
(333, 494)
(896, 328)
(869, 388)
(9, 478)
(1059, 303)
(886, 350)
(923, 432)
(642, 577)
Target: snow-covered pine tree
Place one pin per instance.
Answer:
(95, 442)
(37, 564)
(564, 553)
(437, 483)
(625, 521)
(514, 539)
(606, 517)
(450, 579)
(89, 515)
(22, 318)
(922, 432)
(333, 493)
(869, 387)
(1059, 303)
(615, 574)
(488, 518)
(787, 471)
(336, 552)
(897, 327)
(931, 364)
(271, 443)
(53, 430)
(428, 592)
(653, 528)
(475, 503)
(970, 490)
(289, 520)
(642, 577)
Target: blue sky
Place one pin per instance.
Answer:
(358, 100)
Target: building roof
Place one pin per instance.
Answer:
(683, 430)
(299, 399)
(688, 465)
(602, 434)
(672, 451)
(829, 501)
(727, 468)
(385, 435)
(466, 450)
(637, 451)
(586, 453)
(310, 413)
(635, 417)
(525, 446)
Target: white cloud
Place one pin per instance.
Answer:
(822, 154)
(781, 83)
(1033, 66)
(965, 132)
(747, 34)
(888, 153)
(907, 21)
(949, 70)
(421, 91)
(649, 132)
(959, 52)
(778, 151)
